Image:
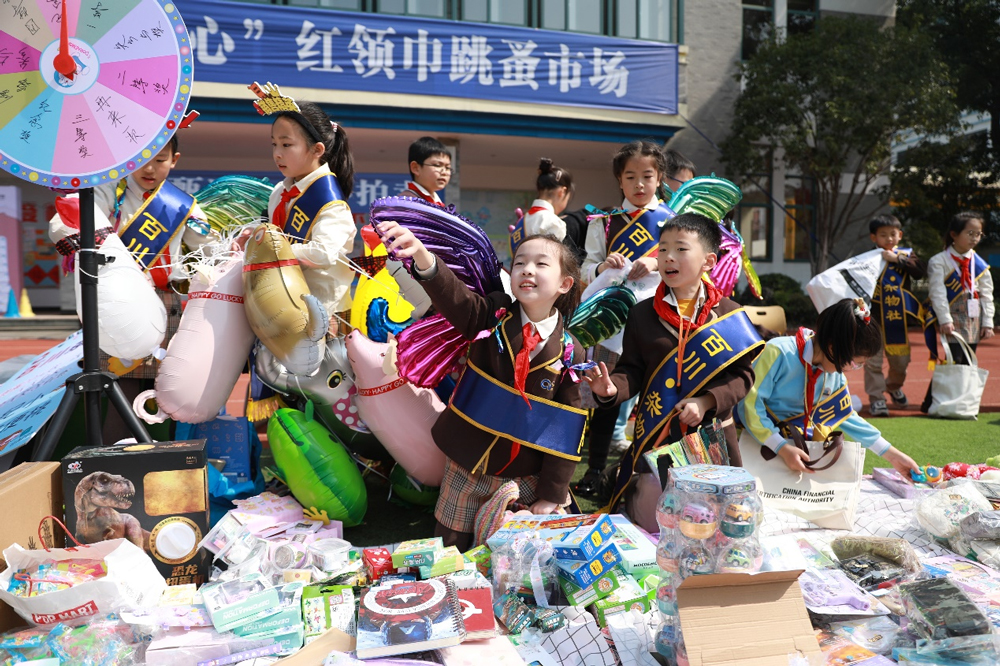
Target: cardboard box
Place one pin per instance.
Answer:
(574, 537)
(417, 552)
(584, 596)
(745, 619)
(226, 438)
(587, 573)
(446, 561)
(638, 552)
(893, 481)
(155, 495)
(28, 493)
(629, 596)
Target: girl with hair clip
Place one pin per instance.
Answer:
(799, 383)
(310, 204)
(555, 189)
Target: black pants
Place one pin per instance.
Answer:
(602, 427)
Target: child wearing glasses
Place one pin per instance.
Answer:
(961, 288)
(430, 170)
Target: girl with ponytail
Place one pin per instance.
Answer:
(555, 188)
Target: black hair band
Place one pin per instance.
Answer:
(306, 125)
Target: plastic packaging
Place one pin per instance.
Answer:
(981, 525)
(330, 554)
(871, 572)
(941, 512)
(525, 563)
(938, 609)
(877, 634)
(822, 590)
(895, 550)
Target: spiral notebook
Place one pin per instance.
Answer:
(409, 617)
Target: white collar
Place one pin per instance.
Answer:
(135, 188)
(629, 206)
(303, 182)
(544, 327)
(542, 203)
(423, 190)
(952, 252)
(670, 299)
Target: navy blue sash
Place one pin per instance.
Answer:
(516, 235)
(828, 414)
(896, 302)
(641, 236)
(149, 232)
(710, 350)
(953, 287)
(321, 193)
(550, 427)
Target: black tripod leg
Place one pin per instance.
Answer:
(118, 401)
(92, 417)
(56, 426)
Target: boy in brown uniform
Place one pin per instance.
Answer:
(687, 318)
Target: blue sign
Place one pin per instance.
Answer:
(236, 42)
(367, 186)
(29, 398)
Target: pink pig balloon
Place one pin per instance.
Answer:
(207, 353)
(397, 412)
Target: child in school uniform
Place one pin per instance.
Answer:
(430, 170)
(555, 189)
(800, 377)
(157, 248)
(689, 316)
(641, 168)
(891, 303)
(515, 414)
(961, 287)
(310, 204)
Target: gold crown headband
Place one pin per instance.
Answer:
(270, 102)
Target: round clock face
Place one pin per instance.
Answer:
(126, 98)
(405, 601)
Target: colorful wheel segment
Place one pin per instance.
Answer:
(134, 70)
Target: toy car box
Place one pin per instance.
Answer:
(586, 573)
(576, 537)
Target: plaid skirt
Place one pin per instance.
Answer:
(147, 369)
(463, 494)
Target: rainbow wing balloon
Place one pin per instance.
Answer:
(602, 315)
(710, 196)
(232, 201)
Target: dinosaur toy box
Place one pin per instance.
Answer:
(154, 495)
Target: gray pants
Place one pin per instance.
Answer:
(876, 384)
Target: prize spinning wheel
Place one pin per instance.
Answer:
(90, 90)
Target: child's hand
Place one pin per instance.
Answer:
(900, 461)
(240, 242)
(641, 268)
(614, 260)
(600, 382)
(543, 508)
(402, 241)
(986, 334)
(795, 458)
(693, 410)
(947, 329)
(890, 256)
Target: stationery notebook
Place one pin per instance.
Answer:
(477, 612)
(408, 617)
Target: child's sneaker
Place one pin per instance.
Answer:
(899, 398)
(878, 408)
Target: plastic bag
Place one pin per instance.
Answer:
(895, 550)
(982, 525)
(941, 512)
(937, 609)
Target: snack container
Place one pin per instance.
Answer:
(330, 554)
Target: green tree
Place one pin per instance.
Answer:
(832, 100)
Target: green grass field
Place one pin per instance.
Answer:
(937, 442)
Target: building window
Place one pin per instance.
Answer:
(754, 215)
(654, 20)
(433, 8)
(348, 5)
(758, 19)
(802, 16)
(574, 15)
(800, 222)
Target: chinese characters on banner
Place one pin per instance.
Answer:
(314, 48)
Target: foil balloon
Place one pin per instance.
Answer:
(331, 391)
(318, 470)
(429, 349)
(376, 285)
(602, 315)
(288, 320)
(710, 196)
(233, 201)
(132, 320)
(207, 353)
(400, 414)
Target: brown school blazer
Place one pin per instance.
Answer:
(463, 442)
(647, 342)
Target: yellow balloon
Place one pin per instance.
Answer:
(383, 285)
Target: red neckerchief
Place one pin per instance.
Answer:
(812, 374)
(965, 263)
(536, 209)
(429, 199)
(673, 317)
(280, 214)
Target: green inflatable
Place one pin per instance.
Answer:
(411, 490)
(317, 468)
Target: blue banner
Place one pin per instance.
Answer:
(367, 186)
(236, 42)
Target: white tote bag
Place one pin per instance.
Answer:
(956, 390)
(828, 497)
(853, 278)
